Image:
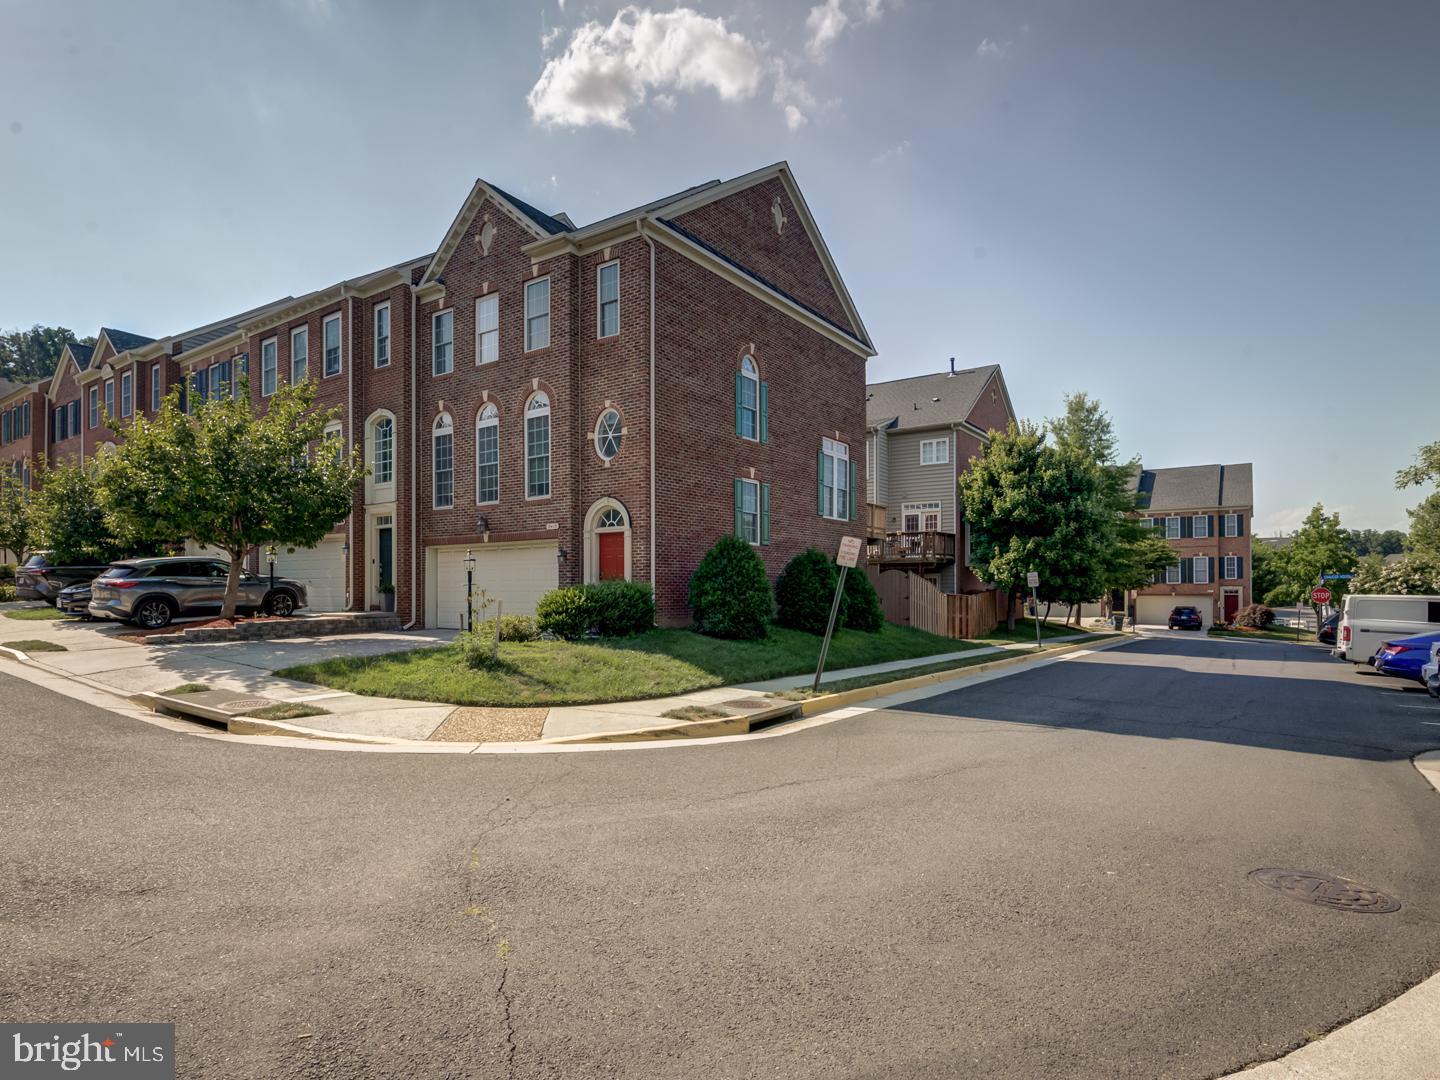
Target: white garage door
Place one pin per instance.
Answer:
(515, 575)
(321, 568)
(201, 551)
(1155, 610)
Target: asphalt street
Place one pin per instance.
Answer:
(1038, 876)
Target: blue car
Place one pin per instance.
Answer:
(1404, 657)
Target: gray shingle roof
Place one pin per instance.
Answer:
(82, 354)
(123, 340)
(1194, 487)
(926, 400)
(539, 217)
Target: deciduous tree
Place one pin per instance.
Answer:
(1319, 548)
(14, 516)
(68, 518)
(1425, 527)
(33, 354)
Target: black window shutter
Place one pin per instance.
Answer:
(1210, 573)
(1239, 568)
(1185, 571)
(1239, 524)
(1187, 526)
(1212, 524)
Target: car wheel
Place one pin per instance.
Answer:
(280, 603)
(154, 614)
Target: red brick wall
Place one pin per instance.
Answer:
(1215, 547)
(29, 447)
(68, 390)
(990, 413)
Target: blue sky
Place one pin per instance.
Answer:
(1219, 218)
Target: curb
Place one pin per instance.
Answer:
(249, 725)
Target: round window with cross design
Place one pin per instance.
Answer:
(607, 434)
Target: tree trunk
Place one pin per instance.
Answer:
(1046, 620)
(1071, 614)
(232, 586)
(1010, 610)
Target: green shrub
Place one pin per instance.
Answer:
(7, 571)
(1280, 596)
(805, 590)
(564, 612)
(729, 592)
(620, 608)
(512, 628)
(862, 603)
(7, 593)
(1257, 616)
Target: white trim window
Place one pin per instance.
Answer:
(299, 355)
(382, 334)
(487, 329)
(537, 314)
(1172, 529)
(442, 462)
(834, 480)
(934, 451)
(442, 342)
(330, 337)
(1200, 526)
(747, 409)
(1230, 568)
(156, 390)
(335, 438)
(1231, 526)
(269, 365)
(382, 468)
(607, 300)
(1172, 574)
(537, 446)
(748, 512)
(1200, 570)
(127, 393)
(110, 399)
(487, 455)
(94, 406)
(608, 433)
(920, 517)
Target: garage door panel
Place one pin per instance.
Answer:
(516, 576)
(321, 569)
(1155, 610)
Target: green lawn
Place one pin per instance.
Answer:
(1025, 631)
(657, 664)
(35, 614)
(34, 645)
(1283, 634)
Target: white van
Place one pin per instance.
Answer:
(1368, 621)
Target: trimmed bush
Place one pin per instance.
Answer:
(7, 571)
(729, 592)
(805, 590)
(1257, 616)
(620, 608)
(862, 603)
(564, 613)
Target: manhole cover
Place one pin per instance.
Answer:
(749, 703)
(1327, 891)
(245, 704)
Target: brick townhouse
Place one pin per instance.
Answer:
(1205, 513)
(560, 403)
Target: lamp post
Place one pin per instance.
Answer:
(469, 589)
(270, 558)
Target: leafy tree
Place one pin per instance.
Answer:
(1374, 542)
(1425, 526)
(33, 354)
(1319, 547)
(1416, 574)
(230, 479)
(1266, 570)
(14, 516)
(1425, 470)
(1085, 429)
(68, 519)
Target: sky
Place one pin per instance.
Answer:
(1220, 218)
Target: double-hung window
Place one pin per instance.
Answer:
(219, 376)
(1172, 574)
(607, 299)
(1200, 526)
(382, 335)
(383, 465)
(747, 510)
(443, 462)
(330, 332)
(442, 343)
(487, 455)
(835, 480)
(74, 417)
(487, 329)
(299, 355)
(1231, 567)
(156, 389)
(127, 393)
(537, 314)
(1172, 528)
(1232, 525)
(110, 399)
(537, 446)
(335, 440)
(934, 451)
(94, 406)
(747, 400)
(268, 352)
(1201, 566)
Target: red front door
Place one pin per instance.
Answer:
(1232, 605)
(612, 555)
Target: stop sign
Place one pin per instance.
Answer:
(1320, 594)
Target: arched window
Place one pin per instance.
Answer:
(610, 518)
(750, 402)
(537, 446)
(382, 450)
(442, 465)
(607, 434)
(487, 455)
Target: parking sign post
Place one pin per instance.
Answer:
(1033, 580)
(848, 556)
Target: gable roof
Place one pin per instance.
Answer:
(122, 340)
(923, 401)
(75, 354)
(81, 353)
(550, 224)
(1194, 487)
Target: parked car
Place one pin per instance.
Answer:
(75, 600)
(1326, 634)
(1404, 657)
(40, 579)
(1430, 672)
(153, 592)
(1368, 621)
(1186, 618)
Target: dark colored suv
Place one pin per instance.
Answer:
(40, 579)
(1186, 618)
(152, 592)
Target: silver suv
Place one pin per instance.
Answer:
(152, 592)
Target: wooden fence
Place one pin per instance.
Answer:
(909, 600)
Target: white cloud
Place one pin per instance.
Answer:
(893, 153)
(793, 96)
(605, 71)
(991, 47)
(829, 20)
(794, 118)
(549, 37)
(664, 101)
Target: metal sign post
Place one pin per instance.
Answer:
(848, 556)
(1033, 580)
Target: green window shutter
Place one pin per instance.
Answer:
(739, 531)
(820, 482)
(739, 415)
(853, 498)
(764, 412)
(764, 513)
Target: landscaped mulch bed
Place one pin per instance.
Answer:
(491, 725)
